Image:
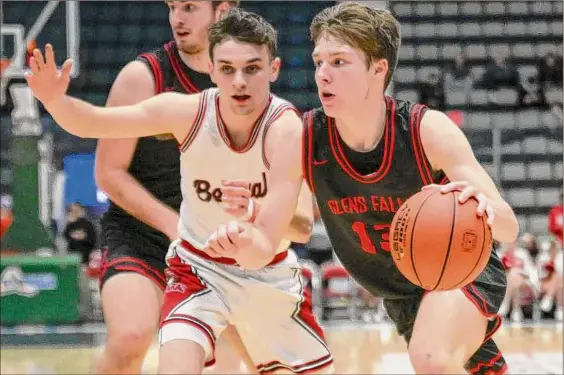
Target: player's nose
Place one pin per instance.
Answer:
(239, 80)
(322, 74)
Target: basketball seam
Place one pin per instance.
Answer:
(449, 241)
(479, 258)
(412, 234)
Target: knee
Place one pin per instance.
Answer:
(129, 344)
(429, 361)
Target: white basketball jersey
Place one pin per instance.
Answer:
(208, 157)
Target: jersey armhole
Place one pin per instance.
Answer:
(307, 149)
(273, 117)
(423, 165)
(196, 125)
(151, 60)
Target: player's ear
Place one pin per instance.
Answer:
(275, 69)
(221, 10)
(379, 68)
(212, 72)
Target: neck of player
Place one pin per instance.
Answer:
(200, 62)
(362, 128)
(239, 126)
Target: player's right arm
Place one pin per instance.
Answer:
(113, 157)
(256, 245)
(166, 113)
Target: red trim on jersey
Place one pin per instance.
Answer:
(420, 159)
(305, 368)
(157, 71)
(254, 131)
(389, 144)
(197, 124)
(275, 116)
(444, 180)
(307, 150)
(229, 261)
(184, 80)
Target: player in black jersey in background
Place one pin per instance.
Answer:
(142, 178)
(363, 154)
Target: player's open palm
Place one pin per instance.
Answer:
(47, 82)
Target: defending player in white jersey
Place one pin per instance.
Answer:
(225, 133)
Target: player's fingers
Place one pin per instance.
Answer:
(233, 230)
(39, 58)
(235, 201)
(211, 247)
(491, 214)
(66, 70)
(235, 211)
(482, 205)
(236, 191)
(223, 240)
(50, 58)
(33, 65)
(466, 193)
(236, 183)
(454, 186)
(429, 187)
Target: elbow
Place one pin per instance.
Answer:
(302, 227)
(509, 231)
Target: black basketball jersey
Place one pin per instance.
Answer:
(358, 207)
(156, 161)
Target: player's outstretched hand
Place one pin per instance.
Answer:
(227, 240)
(47, 82)
(235, 197)
(468, 191)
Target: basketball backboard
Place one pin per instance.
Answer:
(23, 22)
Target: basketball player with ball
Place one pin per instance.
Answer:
(409, 210)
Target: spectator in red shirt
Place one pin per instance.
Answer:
(555, 220)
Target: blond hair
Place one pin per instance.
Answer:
(373, 31)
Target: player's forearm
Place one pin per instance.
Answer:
(300, 227)
(77, 116)
(259, 254)
(505, 226)
(132, 197)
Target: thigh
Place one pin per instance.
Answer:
(278, 326)
(131, 305)
(193, 308)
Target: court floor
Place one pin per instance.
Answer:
(374, 349)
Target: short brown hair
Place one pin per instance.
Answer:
(235, 3)
(374, 31)
(246, 27)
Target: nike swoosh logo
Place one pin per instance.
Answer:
(318, 163)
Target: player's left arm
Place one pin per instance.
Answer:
(447, 149)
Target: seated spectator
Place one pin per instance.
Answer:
(432, 93)
(555, 220)
(458, 77)
(499, 74)
(550, 70)
(532, 94)
(550, 276)
(522, 278)
(79, 232)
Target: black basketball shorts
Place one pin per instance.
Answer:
(486, 293)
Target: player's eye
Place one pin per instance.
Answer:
(338, 62)
(227, 69)
(317, 63)
(251, 69)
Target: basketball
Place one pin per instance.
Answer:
(439, 243)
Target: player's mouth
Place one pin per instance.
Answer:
(326, 96)
(241, 98)
(182, 34)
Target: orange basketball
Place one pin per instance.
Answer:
(438, 243)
